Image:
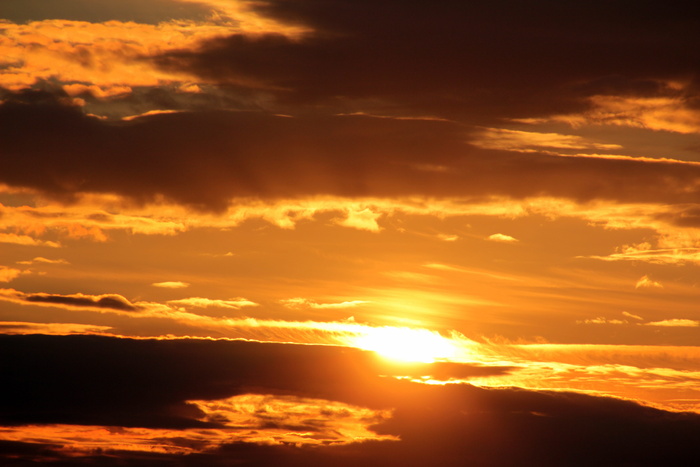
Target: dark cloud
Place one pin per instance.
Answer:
(111, 381)
(205, 159)
(472, 60)
(113, 302)
(123, 382)
(684, 216)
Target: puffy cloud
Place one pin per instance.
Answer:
(8, 274)
(646, 282)
(362, 220)
(499, 237)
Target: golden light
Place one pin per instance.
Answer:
(406, 344)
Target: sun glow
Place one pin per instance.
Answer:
(407, 345)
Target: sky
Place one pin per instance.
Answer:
(349, 232)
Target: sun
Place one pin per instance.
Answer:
(406, 344)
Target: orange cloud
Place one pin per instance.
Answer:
(26, 240)
(105, 59)
(171, 285)
(364, 219)
(656, 113)
(498, 237)
(250, 418)
(645, 282)
(515, 140)
(42, 260)
(683, 323)
(305, 302)
(198, 302)
(8, 274)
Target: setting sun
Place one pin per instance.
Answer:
(406, 345)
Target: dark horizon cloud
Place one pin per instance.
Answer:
(51, 146)
(124, 382)
(479, 62)
(101, 380)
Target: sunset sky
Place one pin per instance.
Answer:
(349, 232)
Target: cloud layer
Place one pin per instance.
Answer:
(57, 149)
(448, 425)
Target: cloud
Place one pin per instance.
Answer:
(72, 301)
(77, 52)
(645, 252)
(602, 320)
(448, 238)
(499, 237)
(630, 315)
(672, 114)
(305, 302)
(19, 327)
(9, 274)
(42, 260)
(545, 65)
(26, 240)
(362, 220)
(498, 138)
(269, 157)
(182, 389)
(198, 302)
(171, 285)
(681, 323)
(646, 282)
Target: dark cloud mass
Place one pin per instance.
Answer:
(123, 382)
(114, 302)
(53, 147)
(477, 61)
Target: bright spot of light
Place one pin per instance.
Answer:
(406, 344)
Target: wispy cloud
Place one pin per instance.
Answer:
(630, 315)
(516, 140)
(307, 303)
(676, 322)
(26, 240)
(199, 302)
(42, 260)
(171, 285)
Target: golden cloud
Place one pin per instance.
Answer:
(171, 285)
